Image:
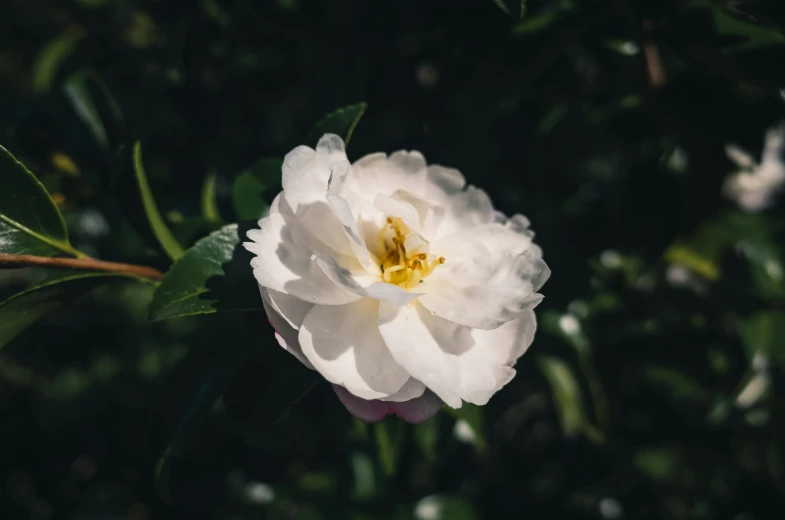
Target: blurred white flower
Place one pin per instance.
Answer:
(755, 185)
(396, 282)
(570, 325)
(463, 431)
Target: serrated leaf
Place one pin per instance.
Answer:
(341, 122)
(22, 310)
(214, 275)
(161, 231)
(251, 185)
(30, 223)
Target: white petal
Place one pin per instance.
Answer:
(292, 309)
(363, 284)
(448, 180)
(344, 344)
(285, 334)
(419, 344)
(283, 262)
(411, 390)
(465, 210)
(505, 344)
(379, 174)
(455, 362)
(307, 171)
(740, 157)
(491, 276)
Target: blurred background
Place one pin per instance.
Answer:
(654, 388)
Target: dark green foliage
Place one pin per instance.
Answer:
(654, 387)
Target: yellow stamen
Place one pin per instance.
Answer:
(397, 266)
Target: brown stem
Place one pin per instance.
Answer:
(651, 53)
(79, 264)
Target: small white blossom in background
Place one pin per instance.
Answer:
(429, 508)
(463, 432)
(680, 276)
(259, 493)
(610, 508)
(570, 325)
(398, 283)
(754, 187)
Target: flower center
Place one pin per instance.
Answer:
(405, 260)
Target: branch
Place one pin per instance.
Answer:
(79, 264)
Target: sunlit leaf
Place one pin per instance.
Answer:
(30, 223)
(214, 275)
(209, 201)
(341, 122)
(160, 229)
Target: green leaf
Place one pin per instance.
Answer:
(209, 202)
(100, 128)
(30, 223)
(161, 231)
(341, 122)
(22, 310)
(269, 384)
(658, 464)
(426, 436)
(51, 57)
(389, 435)
(763, 334)
(190, 392)
(214, 275)
(250, 186)
(753, 35)
(568, 398)
(678, 385)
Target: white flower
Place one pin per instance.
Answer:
(755, 186)
(396, 282)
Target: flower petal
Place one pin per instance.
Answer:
(447, 357)
(362, 283)
(285, 334)
(490, 267)
(292, 309)
(465, 210)
(411, 390)
(417, 410)
(414, 411)
(378, 173)
(417, 342)
(368, 410)
(284, 262)
(307, 171)
(344, 344)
